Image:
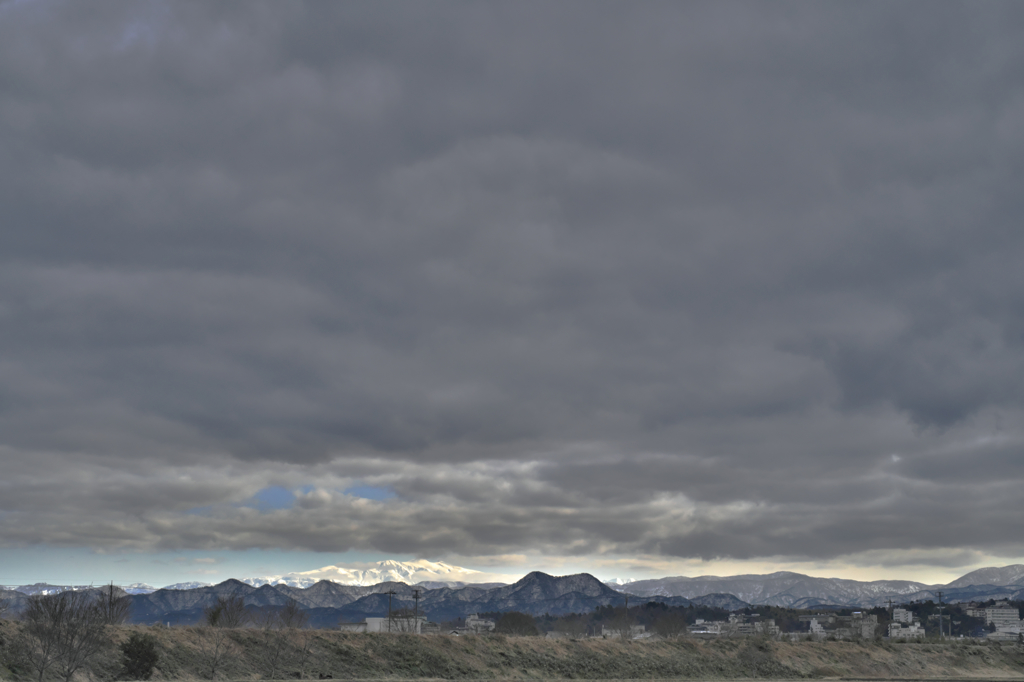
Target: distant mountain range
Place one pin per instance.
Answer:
(798, 591)
(329, 601)
(428, 574)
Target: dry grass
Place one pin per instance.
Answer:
(185, 654)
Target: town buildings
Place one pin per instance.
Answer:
(856, 625)
(395, 624)
(1003, 623)
(900, 631)
(478, 625)
(635, 632)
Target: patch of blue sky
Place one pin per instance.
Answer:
(274, 497)
(268, 499)
(371, 492)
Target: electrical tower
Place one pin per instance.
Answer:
(389, 593)
(416, 612)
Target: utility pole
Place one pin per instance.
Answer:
(416, 616)
(389, 593)
(940, 614)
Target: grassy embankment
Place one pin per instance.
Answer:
(186, 653)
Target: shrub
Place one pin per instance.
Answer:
(138, 657)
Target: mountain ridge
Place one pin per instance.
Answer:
(538, 592)
(796, 590)
(327, 602)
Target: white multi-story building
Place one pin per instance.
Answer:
(702, 627)
(867, 624)
(902, 616)
(1003, 616)
(767, 627)
(635, 631)
(898, 631)
(975, 611)
(394, 624)
(475, 623)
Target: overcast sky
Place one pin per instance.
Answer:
(636, 288)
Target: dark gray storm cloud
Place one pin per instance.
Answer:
(704, 280)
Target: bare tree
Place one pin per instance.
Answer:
(65, 630)
(516, 623)
(403, 620)
(304, 650)
(572, 626)
(274, 640)
(215, 647)
(114, 604)
(277, 627)
(40, 635)
(295, 619)
(292, 615)
(228, 612)
(671, 625)
(274, 626)
(214, 643)
(621, 624)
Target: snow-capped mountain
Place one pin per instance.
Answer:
(779, 589)
(185, 586)
(1005, 575)
(618, 582)
(46, 588)
(139, 588)
(290, 580)
(328, 602)
(437, 573)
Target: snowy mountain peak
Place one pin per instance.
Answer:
(389, 570)
(139, 588)
(618, 582)
(186, 586)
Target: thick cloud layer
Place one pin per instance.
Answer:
(721, 280)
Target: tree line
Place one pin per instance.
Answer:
(62, 632)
